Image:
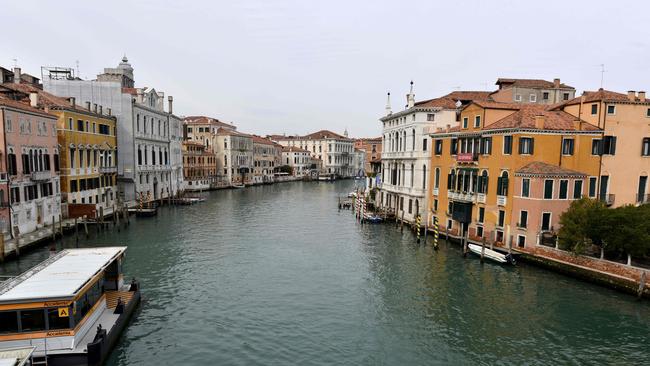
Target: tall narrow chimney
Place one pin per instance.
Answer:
(556, 83)
(631, 95)
(17, 75)
(170, 99)
(73, 102)
(539, 122)
(101, 110)
(33, 99)
(641, 96)
(95, 107)
(88, 106)
(109, 111)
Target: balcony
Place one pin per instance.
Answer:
(107, 169)
(461, 196)
(607, 199)
(501, 200)
(480, 198)
(41, 176)
(436, 191)
(466, 157)
(642, 198)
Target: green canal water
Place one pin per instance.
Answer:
(276, 275)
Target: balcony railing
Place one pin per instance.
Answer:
(480, 198)
(642, 198)
(467, 157)
(107, 169)
(436, 191)
(43, 175)
(608, 199)
(461, 196)
(501, 200)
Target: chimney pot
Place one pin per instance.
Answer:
(33, 99)
(631, 95)
(101, 110)
(95, 107)
(110, 111)
(641, 96)
(539, 122)
(17, 75)
(88, 106)
(170, 99)
(73, 102)
(556, 83)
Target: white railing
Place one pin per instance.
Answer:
(501, 200)
(44, 175)
(436, 191)
(480, 198)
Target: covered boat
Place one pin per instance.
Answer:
(491, 254)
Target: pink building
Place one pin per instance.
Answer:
(542, 193)
(29, 151)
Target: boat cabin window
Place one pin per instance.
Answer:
(87, 300)
(57, 322)
(8, 322)
(32, 320)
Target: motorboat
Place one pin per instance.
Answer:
(491, 254)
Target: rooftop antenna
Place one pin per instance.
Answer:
(77, 64)
(602, 74)
(15, 60)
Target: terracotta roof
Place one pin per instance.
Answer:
(204, 120)
(293, 149)
(553, 120)
(23, 106)
(598, 96)
(449, 101)
(496, 105)
(228, 132)
(132, 91)
(468, 95)
(324, 134)
(262, 140)
(538, 168)
(530, 83)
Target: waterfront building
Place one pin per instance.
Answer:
(298, 159)
(204, 130)
(372, 147)
(488, 175)
(149, 138)
(199, 166)
(334, 150)
(532, 91)
(235, 156)
(88, 157)
(359, 162)
(406, 149)
(265, 156)
(33, 185)
(623, 148)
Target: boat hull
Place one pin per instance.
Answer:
(491, 254)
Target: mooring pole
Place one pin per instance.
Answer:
(482, 249)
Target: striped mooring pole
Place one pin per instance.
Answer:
(418, 222)
(435, 232)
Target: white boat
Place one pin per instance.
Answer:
(238, 185)
(491, 254)
(352, 194)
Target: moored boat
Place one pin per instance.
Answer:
(238, 185)
(491, 254)
(71, 307)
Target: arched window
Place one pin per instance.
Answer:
(413, 141)
(436, 180)
(483, 182)
(451, 180)
(502, 184)
(424, 177)
(412, 174)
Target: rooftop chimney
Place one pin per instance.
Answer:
(109, 111)
(641, 96)
(577, 125)
(88, 106)
(631, 95)
(539, 122)
(170, 99)
(410, 97)
(556, 83)
(17, 75)
(95, 107)
(73, 102)
(33, 99)
(101, 110)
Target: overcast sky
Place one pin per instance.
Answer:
(296, 66)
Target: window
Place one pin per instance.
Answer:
(430, 117)
(410, 205)
(577, 189)
(424, 144)
(465, 122)
(567, 146)
(55, 321)
(596, 147)
(526, 145)
(486, 145)
(517, 97)
(611, 109)
(502, 218)
(15, 195)
(481, 214)
(435, 205)
(70, 124)
(564, 189)
(482, 182)
(521, 241)
(502, 184)
(32, 320)
(594, 109)
(548, 189)
(438, 147)
(592, 186)
(523, 219)
(507, 145)
(645, 147)
(8, 322)
(565, 96)
(546, 221)
(80, 125)
(532, 98)
(609, 145)
(477, 121)
(479, 231)
(643, 182)
(437, 178)
(454, 146)
(545, 95)
(525, 187)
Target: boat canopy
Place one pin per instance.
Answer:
(60, 276)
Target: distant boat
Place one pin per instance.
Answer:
(238, 185)
(146, 212)
(352, 194)
(372, 218)
(491, 254)
(326, 177)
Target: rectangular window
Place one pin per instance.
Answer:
(454, 146)
(611, 109)
(507, 145)
(424, 144)
(32, 320)
(479, 231)
(481, 214)
(594, 109)
(431, 117)
(609, 145)
(526, 145)
(477, 121)
(465, 122)
(438, 147)
(548, 189)
(435, 205)
(502, 218)
(645, 147)
(577, 189)
(55, 321)
(567, 146)
(517, 97)
(70, 124)
(486, 145)
(8, 322)
(532, 98)
(525, 187)
(80, 125)
(596, 147)
(565, 96)
(643, 182)
(592, 186)
(546, 221)
(564, 189)
(545, 96)
(523, 219)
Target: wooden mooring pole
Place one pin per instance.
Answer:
(2, 248)
(482, 249)
(641, 285)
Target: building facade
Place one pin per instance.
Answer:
(235, 156)
(372, 148)
(298, 159)
(265, 156)
(199, 165)
(532, 91)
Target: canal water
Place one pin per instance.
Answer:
(276, 275)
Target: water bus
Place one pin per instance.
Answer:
(71, 307)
